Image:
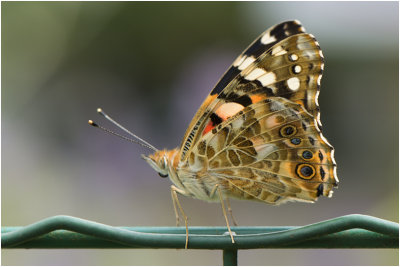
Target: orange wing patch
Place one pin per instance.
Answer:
(257, 98)
(224, 112)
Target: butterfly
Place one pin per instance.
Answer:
(257, 136)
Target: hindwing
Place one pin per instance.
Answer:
(270, 151)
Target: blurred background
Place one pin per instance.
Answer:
(150, 66)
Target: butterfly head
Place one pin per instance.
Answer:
(159, 161)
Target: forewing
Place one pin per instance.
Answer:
(264, 42)
(284, 61)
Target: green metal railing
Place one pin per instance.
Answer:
(350, 231)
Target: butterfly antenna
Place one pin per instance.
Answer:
(137, 139)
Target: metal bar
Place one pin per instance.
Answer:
(334, 233)
(355, 238)
(230, 257)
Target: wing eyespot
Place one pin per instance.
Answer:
(305, 171)
(288, 131)
(307, 154)
(295, 141)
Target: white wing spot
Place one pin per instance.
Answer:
(267, 39)
(277, 51)
(334, 172)
(316, 126)
(319, 118)
(297, 69)
(281, 53)
(246, 63)
(267, 78)
(319, 80)
(255, 74)
(293, 57)
(322, 66)
(334, 162)
(320, 54)
(316, 98)
(293, 83)
(324, 139)
(239, 60)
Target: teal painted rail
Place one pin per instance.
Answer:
(350, 231)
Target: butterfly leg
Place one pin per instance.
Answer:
(175, 202)
(174, 197)
(228, 204)
(221, 198)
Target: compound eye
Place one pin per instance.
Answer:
(163, 175)
(165, 163)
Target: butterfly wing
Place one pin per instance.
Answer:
(232, 76)
(274, 84)
(271, 151)
(284, 61)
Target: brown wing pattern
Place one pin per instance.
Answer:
(270, 151)
(227, 88)
(291, 69)
(258, 134)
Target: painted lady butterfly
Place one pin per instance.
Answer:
(257, 136)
